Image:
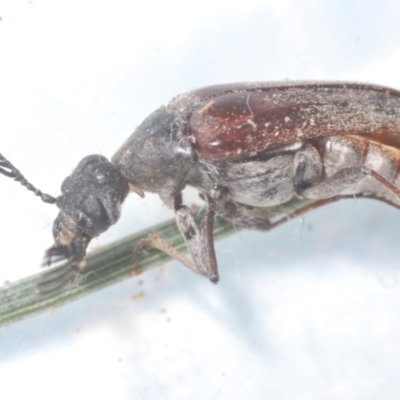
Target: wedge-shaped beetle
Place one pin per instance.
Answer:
(244, 146)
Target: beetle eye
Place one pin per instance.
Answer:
(94, 217)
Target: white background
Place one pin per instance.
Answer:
(308, 311)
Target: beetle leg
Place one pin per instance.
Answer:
(264, 218)
(245, 216)
(161, 244)
(199, 239)
(54, 280)
(345, 179)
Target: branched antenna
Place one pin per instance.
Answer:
(7, 169)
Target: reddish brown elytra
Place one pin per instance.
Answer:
(246, 119)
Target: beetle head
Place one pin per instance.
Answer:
(89, 204)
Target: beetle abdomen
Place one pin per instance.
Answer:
(341, 152)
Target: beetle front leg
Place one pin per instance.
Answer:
(199, 239)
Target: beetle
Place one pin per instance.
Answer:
(244, 147)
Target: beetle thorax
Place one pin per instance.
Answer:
(156, 157)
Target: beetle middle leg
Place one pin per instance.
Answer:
(246, 216)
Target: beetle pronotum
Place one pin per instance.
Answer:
(244, 146)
